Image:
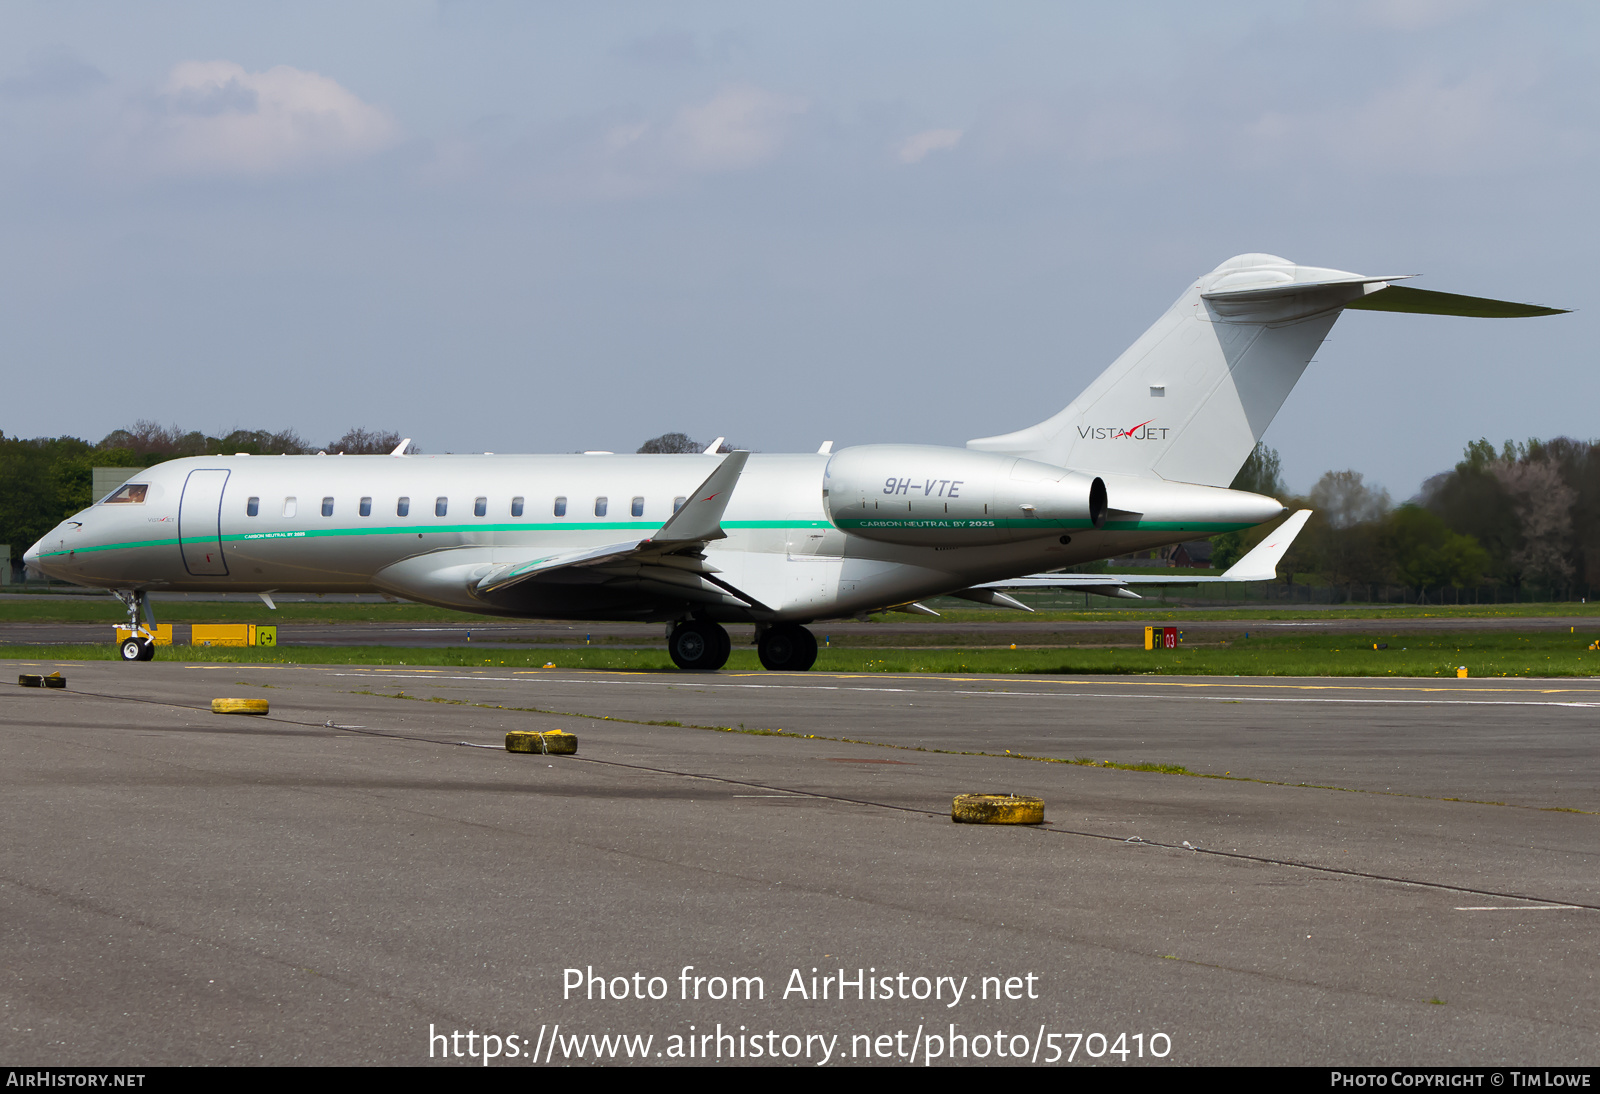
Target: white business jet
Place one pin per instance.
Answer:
(1140, 460)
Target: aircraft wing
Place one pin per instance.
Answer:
(533, 567)
(1260, 564)
(671, 558)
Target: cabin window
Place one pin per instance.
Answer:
(252, 507)
(402, 508)
(516, 507)
(561, 507)
(480, 507)
(131, 494)
(638, 507)
(327, 507)
(441, 506)
(677, 503)
(288, 507)
(599, 507)
(366, 507)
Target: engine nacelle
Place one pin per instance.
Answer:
(927, 496)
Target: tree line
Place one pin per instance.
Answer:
(1524, 518)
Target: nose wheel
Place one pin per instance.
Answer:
(140, 645)
(699, 645)
(137, 649)
(787, 647)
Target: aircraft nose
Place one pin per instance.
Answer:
(30, 557)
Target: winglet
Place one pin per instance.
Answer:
(711, 449)
(400, 449)
(1261, 564)
(700, 519)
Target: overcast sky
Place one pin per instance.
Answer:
(531, 227)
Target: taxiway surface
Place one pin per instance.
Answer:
(1387, 871)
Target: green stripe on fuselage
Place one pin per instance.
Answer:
(447, 529)
(1208, 528)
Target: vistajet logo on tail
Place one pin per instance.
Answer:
(1144, 431)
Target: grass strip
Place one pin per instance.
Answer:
(91, 609)
(1485, 654)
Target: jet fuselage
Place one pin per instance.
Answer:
(427, 528)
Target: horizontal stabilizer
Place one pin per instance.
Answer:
(1260, 564)
(993, 597)
(1099, 584)
(1342, 287)
(1404, 298)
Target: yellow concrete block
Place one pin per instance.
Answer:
(220, 634)
(162, 635)
(997, 809)
(557, 742)
(238, 706)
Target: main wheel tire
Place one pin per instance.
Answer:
(698, 645)
(787, 647)
(133, 649)
(149, 653)
(724, 648)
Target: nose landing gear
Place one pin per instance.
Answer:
(699, 644)
(140, 646)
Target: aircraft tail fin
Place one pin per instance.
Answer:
(1189, 400)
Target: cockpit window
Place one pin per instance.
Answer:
(131, 494)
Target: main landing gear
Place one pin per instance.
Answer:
(787, 647)
(140, 645)
(698, 644)
(783, 647)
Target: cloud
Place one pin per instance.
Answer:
(737, 128)
(915, 149)
(214, 118)
(52, 72)
(1423, 125)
